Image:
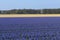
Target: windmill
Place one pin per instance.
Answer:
(41, 11)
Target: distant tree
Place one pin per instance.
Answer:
(30, 11)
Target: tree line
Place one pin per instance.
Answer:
(30, 11)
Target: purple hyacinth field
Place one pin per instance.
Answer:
(30, 28)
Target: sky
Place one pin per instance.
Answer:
(29, 4)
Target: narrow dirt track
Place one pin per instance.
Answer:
(29, 15)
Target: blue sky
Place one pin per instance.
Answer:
(29, 4)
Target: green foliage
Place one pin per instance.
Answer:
(30, 11)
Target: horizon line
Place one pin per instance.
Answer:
(30, 8)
